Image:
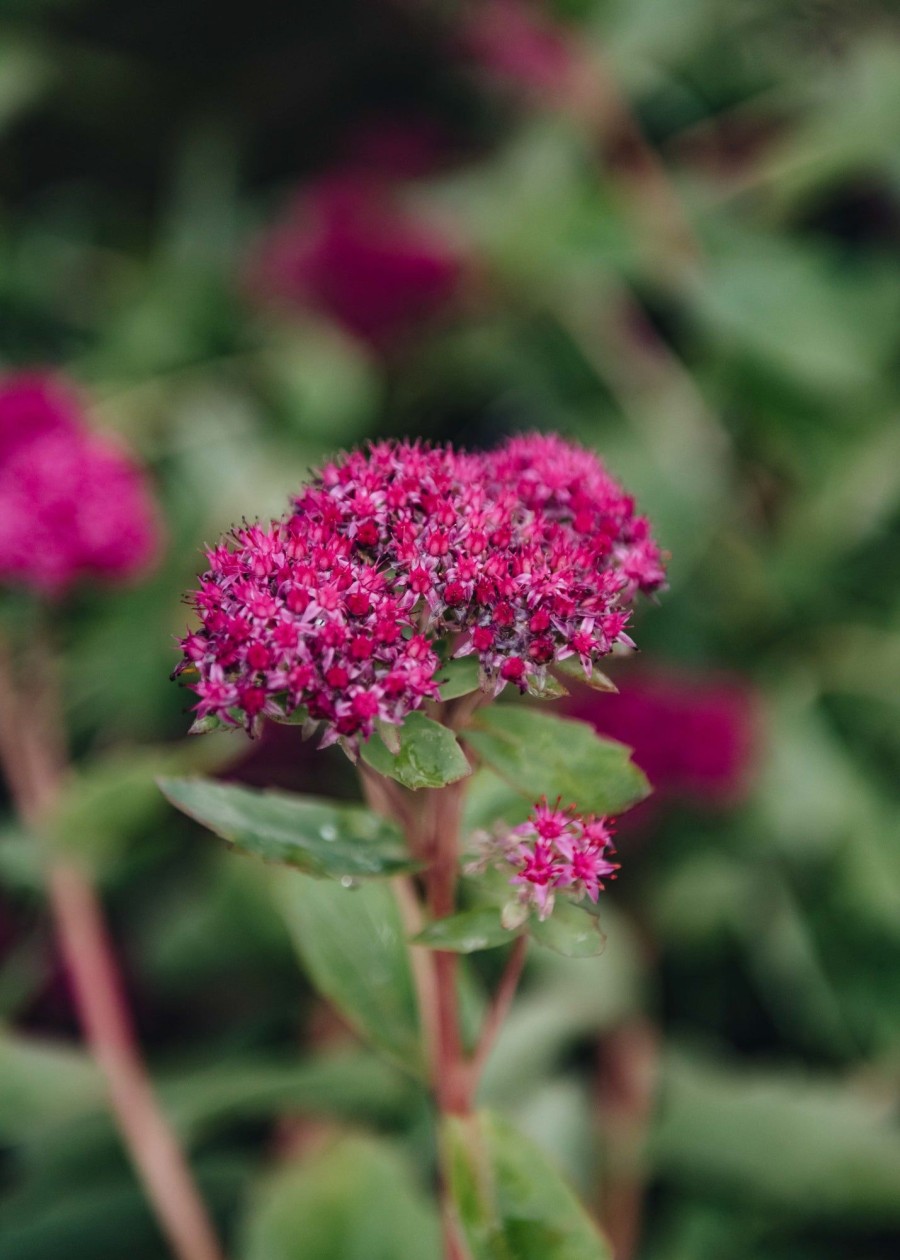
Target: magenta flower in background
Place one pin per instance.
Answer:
(523, 556)
(518, 46)
(350, 249)
(33, 404)
(694, 734)
(73, 504)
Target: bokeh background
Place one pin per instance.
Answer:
(667, 230)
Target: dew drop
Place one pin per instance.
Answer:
(328, 832)
(347, 881)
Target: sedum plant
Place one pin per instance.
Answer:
(407, 591)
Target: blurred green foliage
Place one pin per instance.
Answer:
(747, 387)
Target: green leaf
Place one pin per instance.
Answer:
(467, 932)
(547, 688)
(597, 680)
(42, 1083)
(354, 1085)
(90, 1207)
(570, 930)
(210, 722)
(511, 1202)
(429, 755)
(543, 755)
(459, 677)
(313, 835)
(109, 802)
(352, 943)
(780, 1140)
(490, 800)
(356, 1201)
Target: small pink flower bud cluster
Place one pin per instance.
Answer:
(72, 503)
(555, 851)
(525, 556)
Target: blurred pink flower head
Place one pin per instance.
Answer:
(522, 556)
(694, 734)
(33, 404)
(350, 249)
(518, 45)
(73, 505)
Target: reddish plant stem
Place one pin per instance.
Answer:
(438, 844)
(441, 846)
(30, 751)
(497, 1012)
(433, 835)
(628, 1063)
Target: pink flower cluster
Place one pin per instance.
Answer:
(349, 248)
(293, 618)
(525, 556)
(72, 503)
(557, 851)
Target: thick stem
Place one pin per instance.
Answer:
(30, 754)
(434, 838)
(441, 845)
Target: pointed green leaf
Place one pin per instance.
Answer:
(352, 1085)
(467, 932)
(110, 799)
(570, 930)
(429, 755)
(459, 677)
(816, 1146)
(43, 1082)
(352, 944)
(547, 687)
(571, 668)
(313, 835)
(511, 1202)
(544, 755)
